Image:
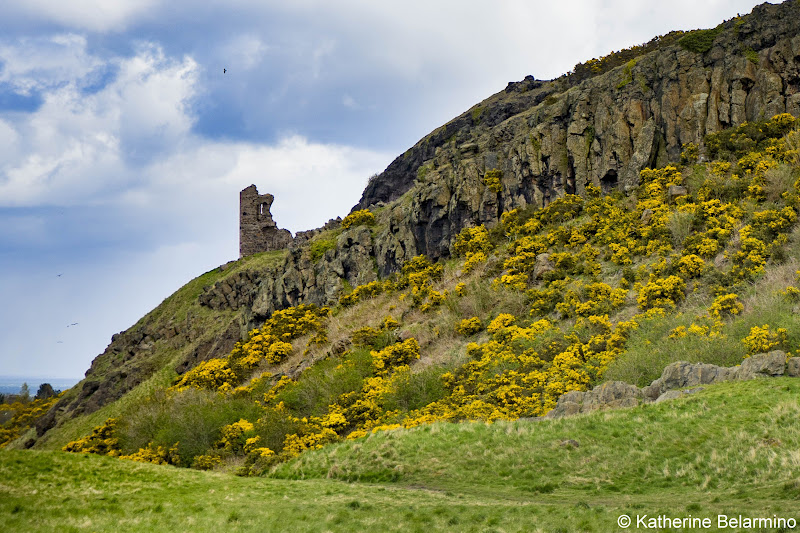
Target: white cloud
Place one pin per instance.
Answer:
(130, 144)
(76, 145)
(312, 182)
(41, 63)
(243, 52)
(92, 15)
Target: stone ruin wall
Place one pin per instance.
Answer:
(257, 231)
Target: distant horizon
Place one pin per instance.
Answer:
(13, 384)
(7, 377)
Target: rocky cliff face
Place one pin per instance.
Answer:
(552, 138)
(547, 139)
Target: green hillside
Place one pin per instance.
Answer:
(731, 449)
(394, 370)
(697, 264)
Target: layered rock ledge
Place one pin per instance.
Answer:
(677, 379)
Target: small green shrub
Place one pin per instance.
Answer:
(700, 41)
(752, 56)
(414, 390)
(318, 248)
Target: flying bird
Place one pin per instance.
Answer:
(59, 275)
(73, 324)
(224, 70)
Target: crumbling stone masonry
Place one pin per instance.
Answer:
(257, 231)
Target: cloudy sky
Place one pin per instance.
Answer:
(123, 146)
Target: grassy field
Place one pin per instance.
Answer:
(731, 449)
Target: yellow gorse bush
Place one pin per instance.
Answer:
(102, 441)
(362, 217)
(761, 339)
(269, 344)
(492, 180)
(159, 455)
(469, 326)
(662, 292)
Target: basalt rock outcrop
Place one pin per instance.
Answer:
(556, 137)
(547, 139)
(350, 258)
(677, 379)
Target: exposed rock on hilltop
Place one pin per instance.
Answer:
(546, 139)
(551, 138)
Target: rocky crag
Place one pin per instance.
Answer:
(549, 138)
(545, 139)
(526, 145)
(678, 379)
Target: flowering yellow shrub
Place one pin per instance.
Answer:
(363, 292)
(725, 305)
(750, 260)
(691, 266)
(206, 462)
(492, 180)
(591, 299)
(233, 437)
(362, 217)
(296, 444)
(419, 273)
(211, 374)
(469, 326)
(102, 441)
(761, 339)
(621, 254)
(159, 455)
(278, 351)
(501, 321)
(292, 322)
(390, 323)
(720, 168)
(395, 355)
(471, 241)
(696, 330)
(662, 292)
(473, 261)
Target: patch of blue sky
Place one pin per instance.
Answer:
(12, 100)
(99, 79)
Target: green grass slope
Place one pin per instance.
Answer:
(731, 449)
